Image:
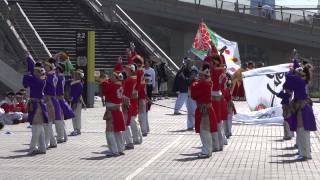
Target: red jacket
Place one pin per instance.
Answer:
(21, 107)
(131, 57)
(129, 91)
(7, 106)
(201, 93)
(113, 93)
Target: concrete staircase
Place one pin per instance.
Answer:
(57, 21)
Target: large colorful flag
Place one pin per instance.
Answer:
(201, 47)
(265, 106)
(257, 83)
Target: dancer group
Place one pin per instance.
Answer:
(48, 104)
(209, 103)
(126, 105)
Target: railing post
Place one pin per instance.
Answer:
(304, 17)
(289, 20)
(244, 9)
(216, 4)
(281, 13)
(312, 25)
(236, 6)
(221, 7)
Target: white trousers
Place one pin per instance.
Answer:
(142, 117)
(136, 130)
(206, 141)
(148, 127)
(37, 139)
(127, 134)
(218, 138)
(76, 121)
(223, 135)
(115, 142)
(287, 133)
(215, 142)
(228, 125)
(191, 108)
(49, 135)
(61, 130)
(303, 139)
(181, 99)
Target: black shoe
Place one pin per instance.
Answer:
(52, 146)
(121, 153)
(302, 158)
(203, 156)
(112, 155)
(287, 138)
(60, 141)
(129, 147)
(190, 129)
(145, 134)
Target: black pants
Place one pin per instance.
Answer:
(149, 90)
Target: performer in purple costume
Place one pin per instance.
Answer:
(302, 119)
(285, 95)
(54, 111)
(66, 111)
(38, 115)
(76, 101)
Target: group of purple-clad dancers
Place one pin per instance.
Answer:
(297, 107)
(49, 104)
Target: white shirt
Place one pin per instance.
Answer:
(151, 76)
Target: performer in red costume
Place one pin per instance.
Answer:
(142, 95)
(223, 79)
(230, 107)
(205, 118)
(112, 89)
(130, 106)
(131, 53)
(8, 103)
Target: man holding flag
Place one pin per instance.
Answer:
(205, 47)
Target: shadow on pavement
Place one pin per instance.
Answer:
(197, 147)
(192, 154)
(102, 152)
(22, 150)
(290, 161)
(177, 131)
(17, 156)
(285, 155)
(96, 158)
(187, 159)
(278, 140)
(286, 148)
(175, 114)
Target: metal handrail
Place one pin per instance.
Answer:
(145, 36)
(33, 29)
(19, 39)
(239, 7)
(12, 28)
(140, 35)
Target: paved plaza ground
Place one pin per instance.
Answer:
(169, 152)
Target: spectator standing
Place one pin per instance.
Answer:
(180, 86)
(150, 77)
(162, 80)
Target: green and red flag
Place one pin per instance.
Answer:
(201, 47)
